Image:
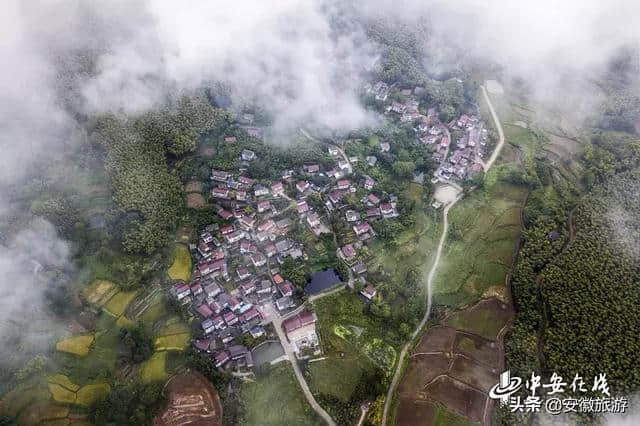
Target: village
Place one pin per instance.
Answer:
(458, 147)
(237, 287)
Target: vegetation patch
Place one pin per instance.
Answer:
(118, 303)
(155, 368)
(181, 267)
(275, 398)
(98, 292)
(480, 243)
(41, 412)
(195, 201)
(64, 381)
(89, 394)
(485, 319)
(61, 394)
(76, 345)
(174, 342)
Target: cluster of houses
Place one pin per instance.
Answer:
(236, 278)
(460, 163)
(465, 159)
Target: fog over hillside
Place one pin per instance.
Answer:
(302, 59)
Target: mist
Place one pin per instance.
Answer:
(303, 60)
(559, 49)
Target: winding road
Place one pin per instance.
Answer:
(436, 262)
(432, 272)
(496, 120)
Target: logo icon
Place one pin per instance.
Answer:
(506, 387)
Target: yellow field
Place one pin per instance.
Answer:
(174, 342)
(181, 268)
(64, 381)
(99, 292)
(89, 394)
(62, 394)
(154, 369)
(118, 303)
(77, 345)
(174, 328)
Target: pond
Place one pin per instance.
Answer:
(322, 281)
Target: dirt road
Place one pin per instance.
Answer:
(434, 268)
(432, 272)
(289, 352)
(496, 120)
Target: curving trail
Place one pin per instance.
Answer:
(496, 120)
(434, 268)
(432, 272)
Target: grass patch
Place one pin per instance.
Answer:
(479, 247)
(174, 342)
(41, 412)
(335, 376)
(485, 319)
(77, 345)
(98, 292)
(275, 398)
(181, 267)
(118, 303)
(415, 248)
(447, 418)
(155, 368)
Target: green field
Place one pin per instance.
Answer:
(446, 418)
(181, 267)
(485, 319)
(154, 369)
(335, 376)
(480, 244)
(77, 345)
(415, 249)
(118, 303)
(275, 398)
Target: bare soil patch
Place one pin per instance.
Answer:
(437, 339)
(206, 151)
(458, 397)
(196, 201)
(485, 319)
(477, 348)
(455, 365)
(422, 370)
(474, 374)
(446, 194)
(411, 412)
(192, 400)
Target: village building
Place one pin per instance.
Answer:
(313, 219)
(369, 292)
(277, 189)
(351, 216)
(348, 252)
(248, 155)
(302, 186)
(301, 331)
(302, 207)
(219, 176)
(220, 193)
(311, 168)
(260, 190)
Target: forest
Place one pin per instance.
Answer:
(575, 285)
